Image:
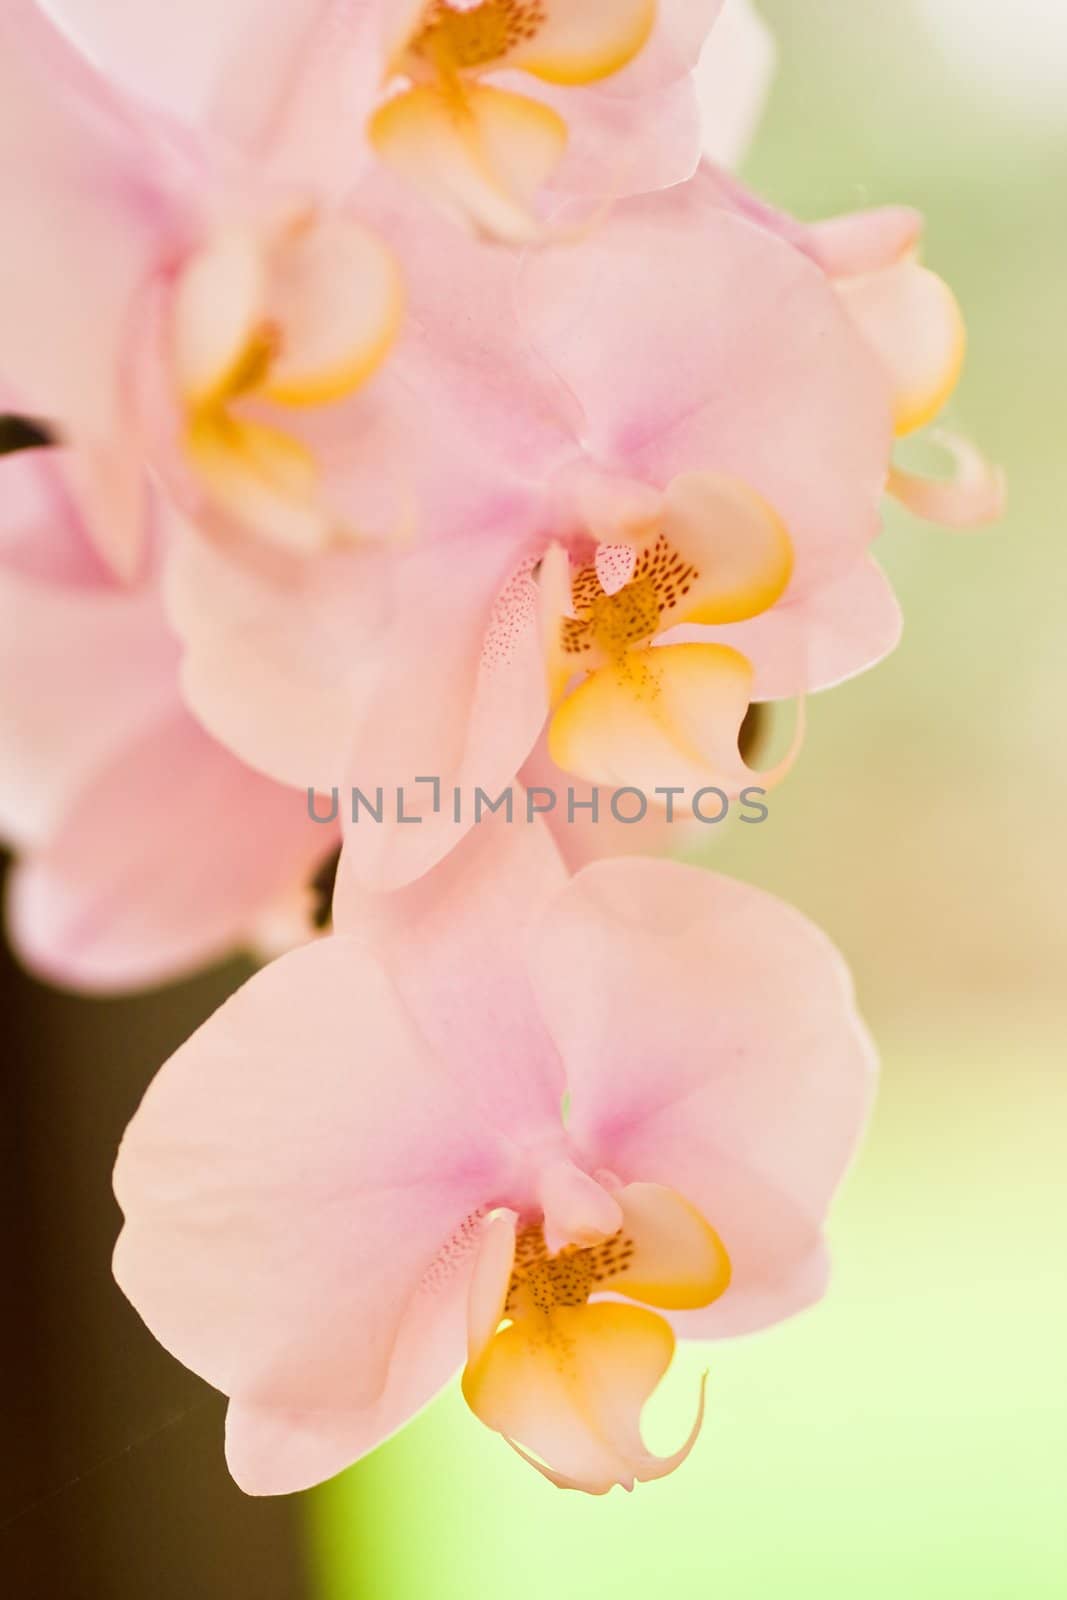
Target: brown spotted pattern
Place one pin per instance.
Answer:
(613, 623)
(467, 40)
(543, 1282)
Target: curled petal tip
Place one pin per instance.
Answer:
(974, 496)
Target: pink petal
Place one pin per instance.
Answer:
(972, 496)
(817, 641)
(174, 58)
(864, 241)
(687, 1009)
(164, 860)
(290, 86)
(482, 158)
(580, 834)
(462, 700)
(293, 1172)
(914, 325)
(464, 350)
(733, 80)
(109, 483)
(608, 153)
(691, 389)
(83, 179)
(280, 662)
(275, 1451)
(453, 943)
(296, 88)
(102, 669)
(42, 532)
(683, 27)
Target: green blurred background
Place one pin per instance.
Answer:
(908, 1437)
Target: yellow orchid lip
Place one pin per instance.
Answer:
(482, 151)
(913, 322)
(564, 1377)
(715, 554)
(295, 318)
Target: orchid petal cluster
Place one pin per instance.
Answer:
(430, 416)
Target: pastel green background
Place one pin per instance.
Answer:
(908, 1437)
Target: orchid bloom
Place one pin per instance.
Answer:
(228, 311)
(145, 849)
(335, 1195)
(484, 150)
(912, 322)
(705, 543)
(685, 540)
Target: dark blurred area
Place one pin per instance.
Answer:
(112, 1481)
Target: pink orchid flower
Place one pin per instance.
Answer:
(335, 1196)
(688, 538)
(913, 323)
(492, 94)
(146, 849)
(705, 545)
(230, 317)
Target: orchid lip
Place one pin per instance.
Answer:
(267, 323)
(562, 1375)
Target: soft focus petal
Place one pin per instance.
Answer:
(108, 482)
(682, 27)
(263, 478)
(82, 179)
(741, 1004)
(165, 860)
(217, 303)
(664, 716)
(482, 154)
(912, 321)
(141, 43)
(102, 669)
(337, 293)
(292, 1174)
(279, 664)
(733, 79)
(573, 1395)
(863, 241)
(577, 44)
(974, 495)
(608, 152)
(287, 85)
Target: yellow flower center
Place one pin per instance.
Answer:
(614, 623)
(464, 40)
(541, 1282)
(563, 1376)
